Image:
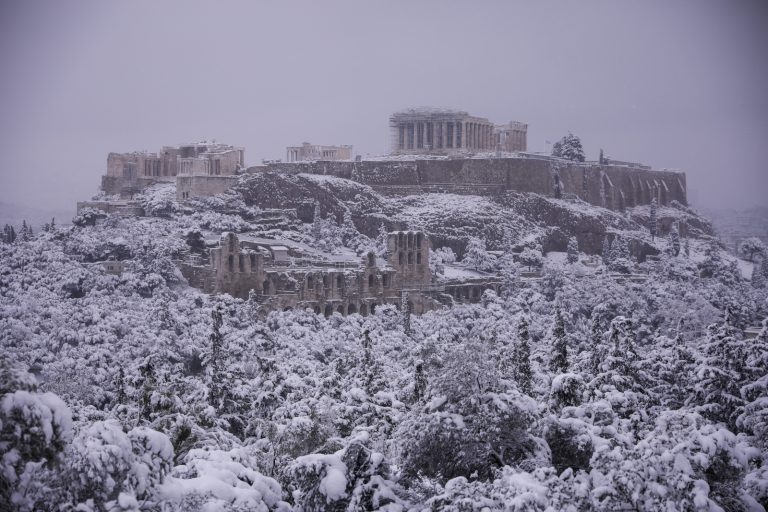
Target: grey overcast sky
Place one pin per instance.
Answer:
(680, 84)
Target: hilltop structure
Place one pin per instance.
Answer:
(430, 131)
(130, 173)
(308, 152)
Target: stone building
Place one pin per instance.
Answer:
(206, 169)
(308, 152)
(447, 132)
(278, 277)
(511, 137)
(130, 173)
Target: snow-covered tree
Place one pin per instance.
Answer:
(531, 257)
(751, 247)
(674, 240)
(653, 223)
(381, 241)
(558, 362)
(569, 147)
(477, 257)
(405, 308)
(215, 360)
(523, 373)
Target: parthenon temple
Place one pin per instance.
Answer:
(443, 131)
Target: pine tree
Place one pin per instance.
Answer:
(405, 307)
(215, 361)
(559, 361)
(573, 250)
(419, 382)
(653, 222)
(523, 373)
(606, 250)
(569, 147)
(601, 158)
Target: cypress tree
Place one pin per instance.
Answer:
(573, 250)
(215, 363)
(419, 382)
(596, 338)
(405, 307)
(653, 223)
(559, 361)
(523, 373)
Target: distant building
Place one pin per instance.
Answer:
(278, 277)
(130, 173)
(446, 132)
(308, 153)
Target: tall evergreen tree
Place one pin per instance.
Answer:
(559, 361)
(419, 382)
(523, 373)
(148, 386)
(674, 240)
(758, 276)
(405, 307)
(215, 362)
(653, 222)
(596, 342)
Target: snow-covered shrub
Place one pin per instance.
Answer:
(353, 478)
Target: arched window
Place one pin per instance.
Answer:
(371, 259)
(310, 282)
(265, 287)
(363, 310)
(340, 281)
(418, 258)
(231, 263)
(418, 240)
(241, 262)
(328, 310)
(410, 258)
(371, 281)
(326, 281)
(401, 258)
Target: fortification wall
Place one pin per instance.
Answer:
(611, 186)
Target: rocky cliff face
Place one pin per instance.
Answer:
(451, 219)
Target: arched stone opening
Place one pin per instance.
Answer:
(351, 309)
(266, 287)
(328, 310)
(340, 309)
(363, 309)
